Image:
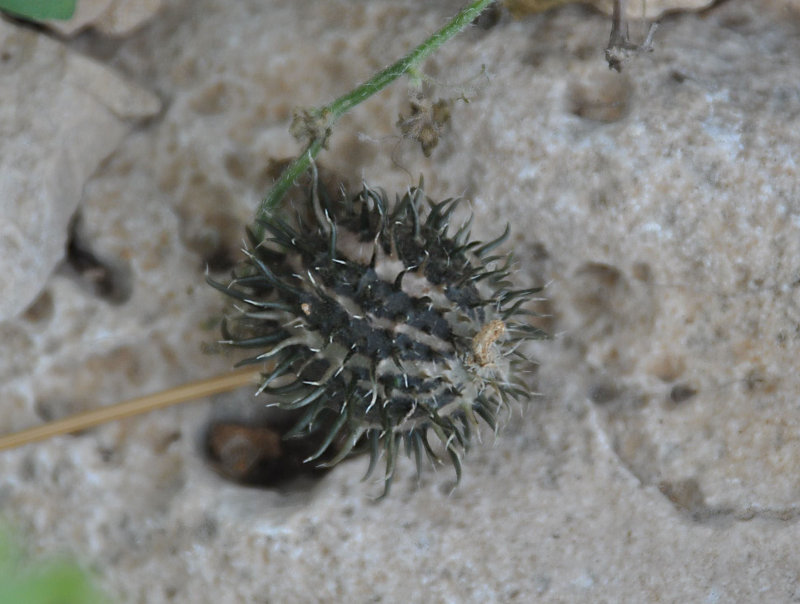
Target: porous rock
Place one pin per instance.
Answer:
(631, 9)
(110, 17)
(656, 460)
(62, 113)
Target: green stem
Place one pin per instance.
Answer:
(332, 112)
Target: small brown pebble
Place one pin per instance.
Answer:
(237, 449)
(260, 455)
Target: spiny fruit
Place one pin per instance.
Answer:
(381, 324)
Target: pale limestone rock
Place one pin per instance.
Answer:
(661, 204)
(632, 9)
(124, 16)
(111, 17)
(61, 115)
(86, 12)
(651, 9)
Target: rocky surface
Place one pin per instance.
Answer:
(630, 9)
(661, 207)
(62, 115)
(110, 17)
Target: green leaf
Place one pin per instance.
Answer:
(42, 581)
(55, 582)
(39, 10)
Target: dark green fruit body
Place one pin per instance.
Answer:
(378, 318)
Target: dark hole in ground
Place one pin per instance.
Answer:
(257, 453)
(681, 393)
(105, 278)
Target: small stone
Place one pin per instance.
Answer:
(62, 115)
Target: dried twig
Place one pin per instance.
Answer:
(136, 406)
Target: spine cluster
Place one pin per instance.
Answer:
(381, 324)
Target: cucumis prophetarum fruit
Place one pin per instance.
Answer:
(381, 324)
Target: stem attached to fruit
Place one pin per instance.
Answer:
(325, 117)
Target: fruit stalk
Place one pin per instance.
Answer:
(325, 117)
